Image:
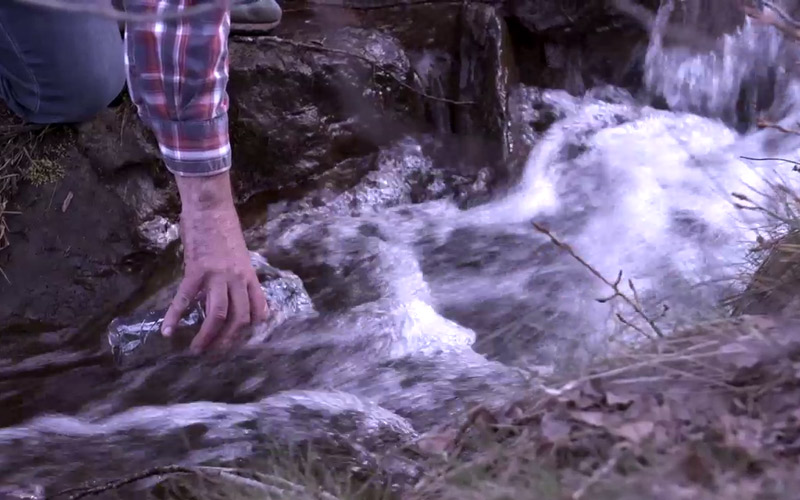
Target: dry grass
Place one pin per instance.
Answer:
(22, 157)
(710, 412)
(702, 413)
(773, 279)
(276, 474)
(705, 413)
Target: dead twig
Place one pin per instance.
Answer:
(616, 454)
(633, 302)
(788, 221)
(83, 492)
(772, 15)
(267, 485)
(750, 158)
(762, 124)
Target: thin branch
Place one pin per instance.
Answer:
(656, 362)
(772, 15)
(83, 492)
(796, 163)
(760, 208)
(613, 285)
(260, 482)
(762, 124)
(616, 454)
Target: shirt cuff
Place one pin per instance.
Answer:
(194, 148)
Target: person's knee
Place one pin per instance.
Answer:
(81, 95)
(87, 94)
(68, 79)
(69, 97)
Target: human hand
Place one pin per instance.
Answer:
(217, 264)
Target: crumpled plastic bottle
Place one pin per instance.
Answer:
(137, 337)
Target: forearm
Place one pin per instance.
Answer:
(177, 77)
(207, 193)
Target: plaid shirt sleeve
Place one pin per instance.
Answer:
(177, 77)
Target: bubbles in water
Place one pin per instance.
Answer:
(402, 293)
(743, 69)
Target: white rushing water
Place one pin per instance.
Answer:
(627, 185)
(653, 188)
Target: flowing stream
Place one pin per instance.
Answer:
(393, 318)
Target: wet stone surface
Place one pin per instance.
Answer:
(405, 285)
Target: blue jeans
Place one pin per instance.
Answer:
(58, 67)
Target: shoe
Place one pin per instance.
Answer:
(256, 14)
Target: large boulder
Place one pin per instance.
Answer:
(304, 104)
(299, 107)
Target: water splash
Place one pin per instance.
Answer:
(419, 309)
(742, 73)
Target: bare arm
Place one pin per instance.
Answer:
(178, 74)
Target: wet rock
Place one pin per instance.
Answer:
(158, 233)
(578, 44)
(388, 178)
(116, 140)
(461, 57)
(125, 155)
(486, 76)
(535, 110)
(349, 434)
(549, 15)
(299, 108)
(412, 170)
(554, 17)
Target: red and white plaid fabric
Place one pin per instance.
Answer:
(177, 77)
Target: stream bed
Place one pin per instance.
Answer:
(397, 309)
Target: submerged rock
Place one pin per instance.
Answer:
(346, 432)
(357, 386)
